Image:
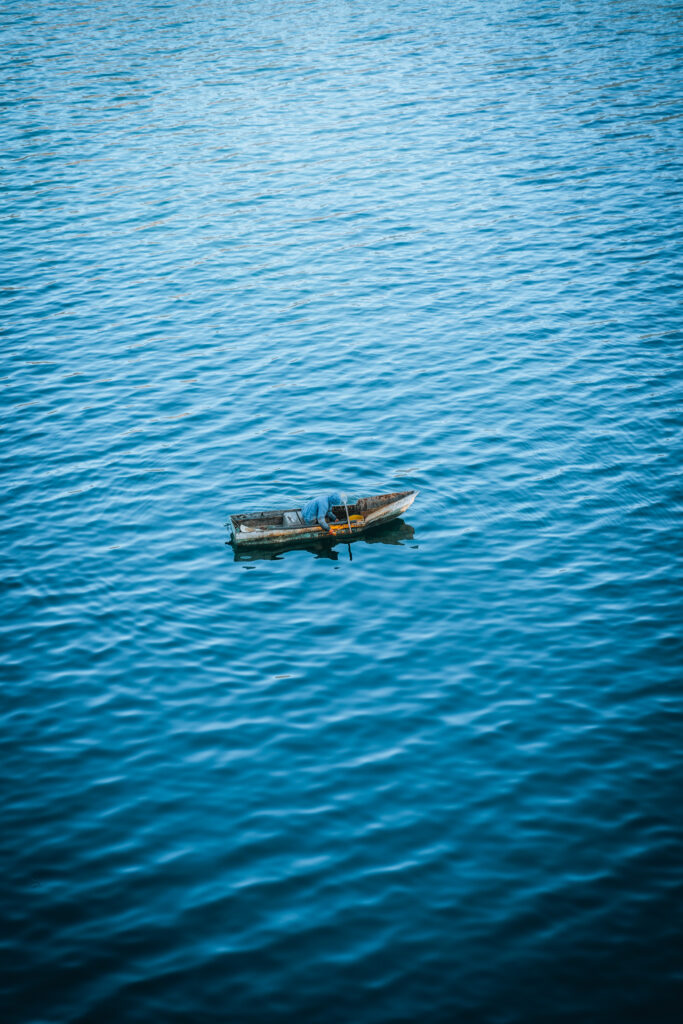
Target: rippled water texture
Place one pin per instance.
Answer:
(252, 251)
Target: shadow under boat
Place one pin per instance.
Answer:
(395, 532)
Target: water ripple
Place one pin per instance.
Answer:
(256, 251)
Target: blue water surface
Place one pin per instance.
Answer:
(251, 251)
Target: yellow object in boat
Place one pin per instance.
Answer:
(342, 525)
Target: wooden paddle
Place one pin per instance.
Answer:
(348, 518)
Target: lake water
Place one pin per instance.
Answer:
(254, 251)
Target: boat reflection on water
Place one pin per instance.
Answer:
(395, 532)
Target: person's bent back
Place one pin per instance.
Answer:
(319, 510)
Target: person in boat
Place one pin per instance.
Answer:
(319, 510)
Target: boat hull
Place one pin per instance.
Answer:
(273, 536)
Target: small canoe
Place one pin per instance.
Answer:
(282, 526)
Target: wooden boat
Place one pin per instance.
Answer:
(283, 526)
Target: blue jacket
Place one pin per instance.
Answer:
(316, 509)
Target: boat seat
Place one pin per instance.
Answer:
(292, 520)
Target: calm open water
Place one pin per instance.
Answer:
(256, 250)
